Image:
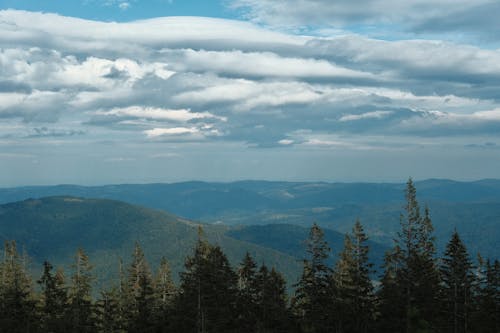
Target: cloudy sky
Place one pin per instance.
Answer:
(117, 91)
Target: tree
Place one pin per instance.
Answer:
(139, 294)
(272, 313)
(81, 314)
(208, 289)
(17, 304)
(457, 279)
(109, 312)
(54, 300)
(313, 293)
(247, 295)
(487, 318)
(418, 275)
(164, 294)
(354, 302)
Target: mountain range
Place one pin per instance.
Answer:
(472, 208)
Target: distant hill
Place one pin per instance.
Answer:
(53, 228)
(290, 239)
(473, 208)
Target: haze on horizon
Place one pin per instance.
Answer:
(115, 91)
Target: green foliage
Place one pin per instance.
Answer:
(313, 293)
(54, 300)
(17, 304)
(80, 305)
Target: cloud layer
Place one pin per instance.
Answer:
(188, 81)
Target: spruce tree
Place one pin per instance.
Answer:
(17, 304)
(247, 295)
(272, 313)
(487, 317)
(164, 294)
(457, 280)
(313, 291)
(54, 300)
(207, 297)
(81, 308)
(109, 312)
(354, 301)
(139, 294)
(417, 274)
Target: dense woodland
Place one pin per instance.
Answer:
(419, 290)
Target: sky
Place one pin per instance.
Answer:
(116, 91)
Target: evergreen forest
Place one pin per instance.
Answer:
(418, 290)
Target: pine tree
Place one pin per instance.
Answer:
(17, 304)
(272, 313)
(354, 301)
(247, 295)
(81, 311)
(54, 300)
(417, 273)
(109, 313)
(139, 294)
(390, 297)
(208, 290)
(164, 294)
(313, 293)
(457, 280)
(487, 317)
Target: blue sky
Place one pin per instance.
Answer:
(112, 91)
(118, 10)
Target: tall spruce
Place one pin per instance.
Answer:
(109, 312)
(272, 312)
(354, 301)
(81, 308)
(139, 294)
(53, 301)
(313, 291)
(487, 318)
(164, 294)
(247, 295)
(17, 304)
(415, 267)
(207, 297)
(457, 281)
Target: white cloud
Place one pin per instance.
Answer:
(124, 5)
(182, 115)
(156, 132)
(367, 115)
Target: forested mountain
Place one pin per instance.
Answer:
(53, 228)
(454, 205)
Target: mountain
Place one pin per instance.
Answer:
(473, 208)
(53, 228)
(290, 239)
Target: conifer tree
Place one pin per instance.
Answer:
(272, 313)
(54, 300)
(109, 312)
(139, 294)
(81, 311)
(17, 304)
(208, 289)
(164, 294)
(247, 295)
(354, 301)
(313, 293)
(457, 280)
(417, 273)
(487, 318)
(390, 297)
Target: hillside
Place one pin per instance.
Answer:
(53, 228)
(473, 208)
